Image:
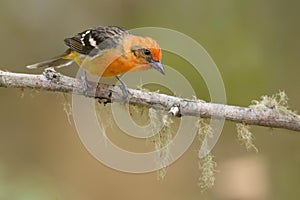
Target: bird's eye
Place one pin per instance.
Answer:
(147, 52)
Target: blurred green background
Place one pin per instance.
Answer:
(256, 46)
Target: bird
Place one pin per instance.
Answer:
(108, 51)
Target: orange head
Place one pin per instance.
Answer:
(144, 52)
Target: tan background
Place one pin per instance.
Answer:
(256, 46)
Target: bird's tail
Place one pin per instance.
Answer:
(58, 62)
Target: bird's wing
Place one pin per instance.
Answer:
(91, 41)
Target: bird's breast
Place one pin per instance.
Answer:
(110, 63)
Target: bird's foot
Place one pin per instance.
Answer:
(124, 90)
(85, 84)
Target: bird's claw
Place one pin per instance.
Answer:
(85, 84)
(125, 90)
(126, 93)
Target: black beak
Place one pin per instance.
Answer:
(158, 66)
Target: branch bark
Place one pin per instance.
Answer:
(51, 80)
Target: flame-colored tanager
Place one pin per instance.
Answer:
(108, 51)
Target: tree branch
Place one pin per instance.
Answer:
(51, 80)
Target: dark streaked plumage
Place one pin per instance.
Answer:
(90, 41)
